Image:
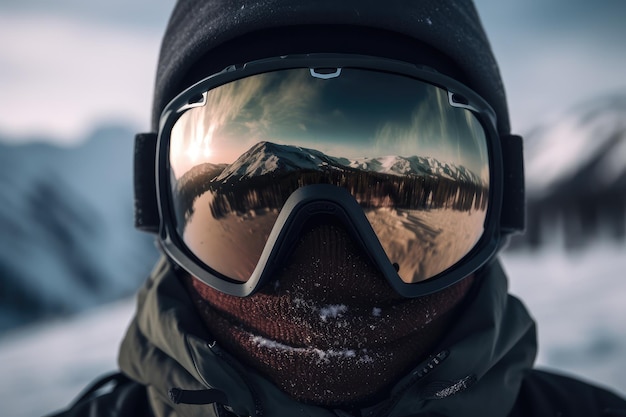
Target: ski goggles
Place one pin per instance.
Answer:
(407, 158)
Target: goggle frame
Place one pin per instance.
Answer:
(459, 95)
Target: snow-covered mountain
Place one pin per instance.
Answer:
(415, 165)
(586, 145)
(66, 216)
(576, 173)
(266, 157)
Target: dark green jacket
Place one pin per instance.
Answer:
(171, 367)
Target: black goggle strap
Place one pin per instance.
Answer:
(512, 218)
(513, 215)
(146, 203)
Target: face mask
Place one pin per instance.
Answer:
(328, 329)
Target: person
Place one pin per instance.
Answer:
(330, 184)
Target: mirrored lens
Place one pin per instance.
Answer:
(417, 165)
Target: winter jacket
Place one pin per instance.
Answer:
(170, 366)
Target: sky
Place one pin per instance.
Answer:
(68, 65)
(555, 55)
(394, 116)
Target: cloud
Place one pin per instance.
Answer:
(555, 55)
(198, 135)
(437, 130)
(136, 14)
(60, 56)
(60, 76)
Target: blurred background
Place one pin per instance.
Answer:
(76, 83)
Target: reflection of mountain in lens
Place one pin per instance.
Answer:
(426, 214)
(265, 176)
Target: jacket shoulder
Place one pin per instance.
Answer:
(113, 395)
(549, 394)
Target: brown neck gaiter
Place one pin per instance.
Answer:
(328, 330)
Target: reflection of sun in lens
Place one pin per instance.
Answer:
(193, 151)
(199, 149)
(207, 152)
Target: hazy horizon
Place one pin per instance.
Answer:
(72, 65)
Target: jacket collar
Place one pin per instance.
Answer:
(477, 369)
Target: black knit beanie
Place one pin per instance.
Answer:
(206, 36)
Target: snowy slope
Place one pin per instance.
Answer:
(577, 299)
(55, 360)
(68, 241)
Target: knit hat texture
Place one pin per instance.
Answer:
(452, 27)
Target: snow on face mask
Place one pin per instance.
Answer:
(328, 330)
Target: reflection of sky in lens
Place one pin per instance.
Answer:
(358, 114)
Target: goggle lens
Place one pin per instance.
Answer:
(414, 160)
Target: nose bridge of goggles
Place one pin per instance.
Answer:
(315, 201)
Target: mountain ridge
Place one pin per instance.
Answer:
(67, 216)
(576, 175)
(267, 157)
